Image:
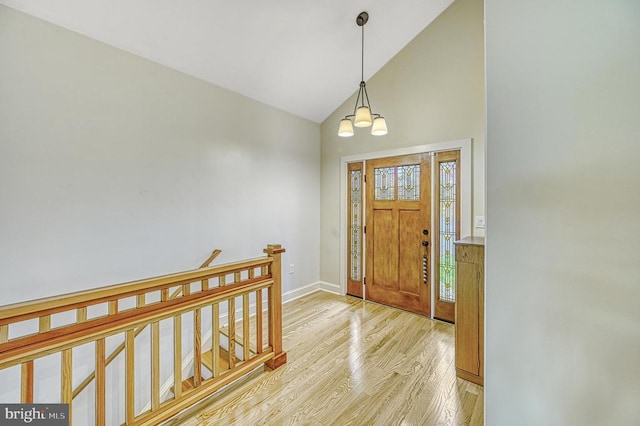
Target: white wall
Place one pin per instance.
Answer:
(430, 92)
(563, 143)
(114, 168)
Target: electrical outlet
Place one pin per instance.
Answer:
(292, 268)
(479, 221)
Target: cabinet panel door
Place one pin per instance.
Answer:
(467, 316)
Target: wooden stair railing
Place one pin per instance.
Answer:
(214, 286)
(118, 350)
(223, 361)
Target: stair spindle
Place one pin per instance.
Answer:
(155, 365)
(197, 347)
(246, 340)
(259, 344)
(177, 356)
(100, 414)
(26, 389)
(215, 341)
(66, 389)
(232, 332)
(130, 389)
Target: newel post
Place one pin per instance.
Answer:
(275, 307)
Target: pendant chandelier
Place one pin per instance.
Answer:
(362, 115)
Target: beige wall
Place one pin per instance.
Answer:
(432, 91)
(563, 269)
(114, 168)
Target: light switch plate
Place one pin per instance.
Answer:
(479, 221)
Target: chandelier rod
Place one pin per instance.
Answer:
(362, 56)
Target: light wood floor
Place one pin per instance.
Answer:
(351, 363)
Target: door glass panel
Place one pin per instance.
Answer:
(384, 183)
(409, 183)
(356, 224)
(448, 189)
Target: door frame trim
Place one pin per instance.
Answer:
(466, 193)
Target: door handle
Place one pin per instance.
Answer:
(425, 271)
(425, 259)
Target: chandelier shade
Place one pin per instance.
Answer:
(379, 127)
(346, 128)
(363, 117)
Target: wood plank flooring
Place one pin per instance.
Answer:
(351, 363)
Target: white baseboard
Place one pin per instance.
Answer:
(331, 288)
(310, 288)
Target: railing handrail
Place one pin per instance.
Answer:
(210, 259)
(35, 346)
(34, 308)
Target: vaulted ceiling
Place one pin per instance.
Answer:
(296, 55)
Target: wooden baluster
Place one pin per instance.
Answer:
(246, 339)
(140, 300)
(275, 307)
(4, 333)
(232, 332)
(66, 390)
(259, 321)
(264, 271)
(186, 289)
(215, 340)
(222, 280)
(252, 273)
(44, 323)
(205, 284)
(130, 389)
(155, 366)
(26, 388)
(100, 415)
(237, 277)
(81, 314)
(164, 294)
(177, 356)
(197, 348)
(270, 327)
(113, 307)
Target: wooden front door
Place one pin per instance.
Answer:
(398, 232)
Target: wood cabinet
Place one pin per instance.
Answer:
(470, 309)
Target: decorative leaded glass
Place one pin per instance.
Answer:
(356, 224)
(448, 200)
(409, 183)
(384, 183)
